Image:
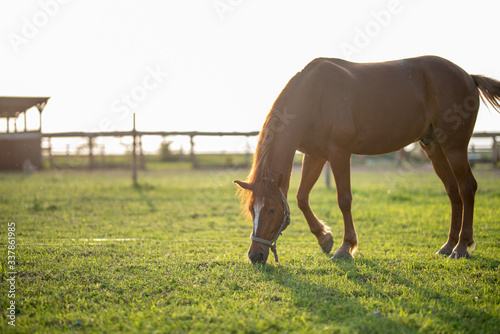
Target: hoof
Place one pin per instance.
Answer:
(459, 255)
(447, 248)
(461, 252)
(444, 251)
(341, 256)
(326, 242)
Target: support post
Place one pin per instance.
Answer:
(103, 155)
(142, 161)
(134, 155)
(25, 122)
(399, 158)
(248, 155)
(51, 158)
(495, 152)
(328, 173)
(91, 152)
(40, 109)
(194, 162)
(67, 154)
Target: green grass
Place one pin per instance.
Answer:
(185, 268)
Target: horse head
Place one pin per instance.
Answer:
(268, 207)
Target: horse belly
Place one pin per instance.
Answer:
(383, 144)
(388, 134)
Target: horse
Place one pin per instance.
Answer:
(334, 108)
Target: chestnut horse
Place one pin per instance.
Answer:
(334, 108)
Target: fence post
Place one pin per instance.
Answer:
(67, 154)
(328, 172)
(51, 158)
(248, 155)
(134, 155)
(495, 152)
(91, 152)
(194, 162)
(142, 160)
(103, 155)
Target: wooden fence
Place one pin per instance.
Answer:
(137, 141)
(474, 154)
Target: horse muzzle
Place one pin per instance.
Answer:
(258, 255)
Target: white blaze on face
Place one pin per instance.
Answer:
(257, 207)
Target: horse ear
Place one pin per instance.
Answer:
(279, 180)
(244, 185)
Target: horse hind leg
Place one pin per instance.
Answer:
(311, 170)
(467, 186)
(445, 173)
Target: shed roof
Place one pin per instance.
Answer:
(11, 106)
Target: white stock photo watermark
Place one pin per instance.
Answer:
(363, 36)
(32, 25)
(223, 7)
(11, 273)
(125, 105)
(277, 123)
(456, 115)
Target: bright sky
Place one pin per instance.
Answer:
(216, 65)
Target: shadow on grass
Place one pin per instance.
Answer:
(435, 303)
(335, 308)
(374, 297)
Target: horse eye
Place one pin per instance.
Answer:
(272, 211)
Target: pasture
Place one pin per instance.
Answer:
(96, 254)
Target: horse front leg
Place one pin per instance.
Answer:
(341, 168)
(311, 170)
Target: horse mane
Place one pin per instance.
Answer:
(260, 170)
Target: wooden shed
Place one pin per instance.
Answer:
(20, 149)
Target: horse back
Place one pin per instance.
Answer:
(359, 104)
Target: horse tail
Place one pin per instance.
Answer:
(490, 90)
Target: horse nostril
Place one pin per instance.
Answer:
(259, 257)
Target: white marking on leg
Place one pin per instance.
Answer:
(257, 207)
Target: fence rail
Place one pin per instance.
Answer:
(495, 148)
(137, 139)
(146, 133)
(474, 157)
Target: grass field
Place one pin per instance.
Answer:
(95, 254)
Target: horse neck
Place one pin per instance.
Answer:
(280, 155)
